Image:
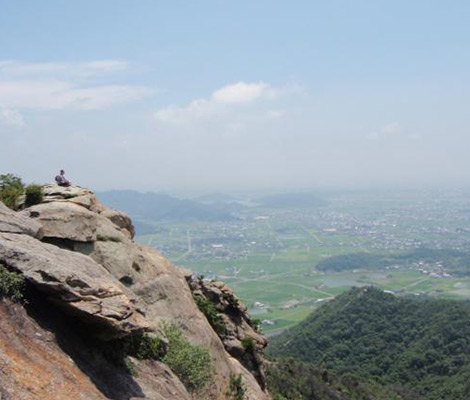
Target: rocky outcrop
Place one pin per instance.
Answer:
(13, 222)
(63, 220)
(120, 220)
(88, 265)
(239, 334)
(76, 283)
(43, 358)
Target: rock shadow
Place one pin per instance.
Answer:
(108, 373)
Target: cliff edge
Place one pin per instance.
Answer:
(92, 293)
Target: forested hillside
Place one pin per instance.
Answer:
(290, 379)
(454, 261)
(422, 345)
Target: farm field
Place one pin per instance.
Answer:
(269, 257)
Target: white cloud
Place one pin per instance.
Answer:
(390, 128)
(62, 85)
(199, 109)
(20, 69)
(223, 104)
(241, 93)
(393, 127)
(11, 117)
(43, 94)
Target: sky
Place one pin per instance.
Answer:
(209, 96)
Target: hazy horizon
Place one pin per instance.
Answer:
(181, 97)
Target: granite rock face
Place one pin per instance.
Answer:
(89, 267)
(120, 220)
(64, 220)
(42, 358)
(239, 335)
(75, 283)
(12, 222)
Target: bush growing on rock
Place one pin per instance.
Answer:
(105, 238)
(12, 285)
(11, 188)
(236, 389)
(144, 346)
(255, 323)
(231, 299)
(211, 313)
(248, 344)
(191, 364)
(34, 195)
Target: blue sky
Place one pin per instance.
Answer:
(218, 95)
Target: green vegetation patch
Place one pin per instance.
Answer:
(211, 313)
(144, 346)
(107, 238)
(294, 380)
(248, 344)
(236, 390)
(12, 285)
(11, 189)
(456, 261)
(192, 364)
(419, 344)
(34, 195)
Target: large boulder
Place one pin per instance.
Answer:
(72, 194)
(75, 283)
(106, 231)
(64, 220)
(12, 222)
(121, 220)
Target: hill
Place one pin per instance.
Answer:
(422, 345)
(454, 261)
(288, 200)
(157, 206)
(290, 379)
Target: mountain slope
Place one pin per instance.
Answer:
(423, 345)
(157, 206)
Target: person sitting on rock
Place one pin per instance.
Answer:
(61, 180)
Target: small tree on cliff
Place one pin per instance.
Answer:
(11, 188)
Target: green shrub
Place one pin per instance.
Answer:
(211, 313)
(255, 323)
(12, 285)
(231, 299)
(143, 346)
(237, 388)
(11, 188)
(248, 343)
(191, 364)
(106, 238)
(34, 195)
(129, 367)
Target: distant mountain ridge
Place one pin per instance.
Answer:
(295, 200)
(158, 206)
